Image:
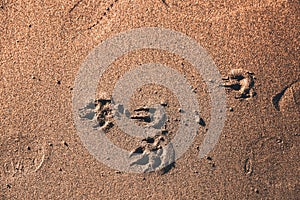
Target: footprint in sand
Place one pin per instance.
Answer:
(100, 112)
(23, 155)
(242, 81)
(287, 101)
(152, 155)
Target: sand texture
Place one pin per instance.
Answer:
(254, 45)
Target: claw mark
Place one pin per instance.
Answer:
(142, 114)
(155, 116)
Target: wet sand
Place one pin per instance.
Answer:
(43, 45)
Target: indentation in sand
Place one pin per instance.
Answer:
(287, 101)
(152, 156)
(104, 113)
(242, 81)
(23, 155)
(261, 152)
(153, 153)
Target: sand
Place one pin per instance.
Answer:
(43, 45)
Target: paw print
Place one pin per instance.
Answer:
(242, 81)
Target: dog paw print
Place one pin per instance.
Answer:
(104, 114)
(242, 81)
(154, 154)
(99, 111)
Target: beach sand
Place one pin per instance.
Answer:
(43, 45)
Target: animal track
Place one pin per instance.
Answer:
(142, 114)
(104, 115)
(262, 152)
(154, 116)
(99, 112)
(151, 144)
(242, 81)
(154, 154)
(23, 155)
(93, 11)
